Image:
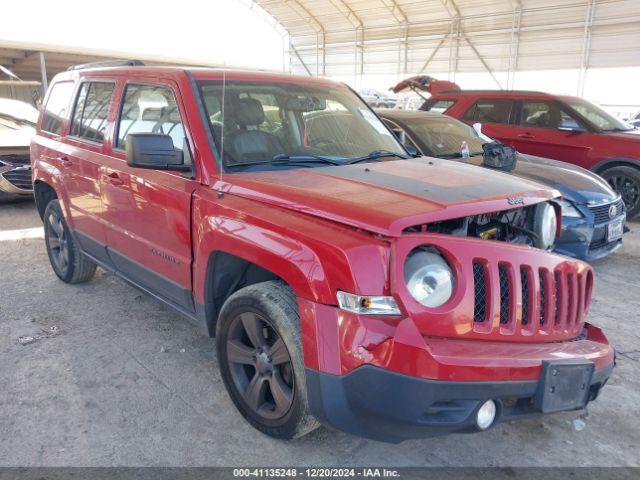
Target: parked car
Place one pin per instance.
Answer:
(593, 215)
(17, 126)
(569, 129)
(634, 120)
(376, 98)
(345, 282)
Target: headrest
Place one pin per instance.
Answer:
(152, 114)
(249, 111)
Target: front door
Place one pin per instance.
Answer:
(147, 212)
(546, 130)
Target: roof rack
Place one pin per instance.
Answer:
(108, 63)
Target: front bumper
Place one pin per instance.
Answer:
(382, 405)
(15, 180)
(382, 379)
(584, 239)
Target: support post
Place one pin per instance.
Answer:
(43, 74)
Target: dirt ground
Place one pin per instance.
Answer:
(113, 377)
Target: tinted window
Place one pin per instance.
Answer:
(597, 116)
(440, 106)
(540, 114)
(150, 109)
(57, 109)
(490, 111)
(90, 113)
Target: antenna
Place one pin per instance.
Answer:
(224, 89)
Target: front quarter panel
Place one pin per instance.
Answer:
(315, 257)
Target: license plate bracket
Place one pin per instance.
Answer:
(615, 231)
(564, 385)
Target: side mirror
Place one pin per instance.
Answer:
(154, 151)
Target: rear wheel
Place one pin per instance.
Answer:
(260, 355)
(67, 260)
(626, 181)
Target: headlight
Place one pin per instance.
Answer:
(545, 225)
(568, 210)
(428, 277)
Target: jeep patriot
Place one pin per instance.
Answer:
(344, 282)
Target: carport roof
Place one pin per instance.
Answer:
(346, 37)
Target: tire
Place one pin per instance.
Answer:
(626, 181)
(67, 260)
(265, 314)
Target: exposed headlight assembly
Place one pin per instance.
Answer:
(545, 226)
(429, 278)
(368, 305)
(569, 210)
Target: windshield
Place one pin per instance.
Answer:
(272, 125)
(597, 116)
(444, 136)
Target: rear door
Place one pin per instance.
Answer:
(147, 212)
(496, 116)
(545, 129)
(81, 155)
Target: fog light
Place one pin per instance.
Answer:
(486, 415)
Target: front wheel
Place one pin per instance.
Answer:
(259, 350)
(626, 181)
(67, 260)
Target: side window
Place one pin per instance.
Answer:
(57, 109)
(440, 106)
(150, 109)
(90, 113)
(540, 115)
(490, 111)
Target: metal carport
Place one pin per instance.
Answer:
(357, 38)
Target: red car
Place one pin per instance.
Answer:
(564, 128)
(345, 282)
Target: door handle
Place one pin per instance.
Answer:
(526, 135)
(66, 161)
(114, 179)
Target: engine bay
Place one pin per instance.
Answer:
(519, 225)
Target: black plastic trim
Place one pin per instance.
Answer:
(151, 283)
(383, 405)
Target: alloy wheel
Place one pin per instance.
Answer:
(58, 242)
(628, 188)
(260, 366)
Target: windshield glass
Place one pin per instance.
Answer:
(444, 136)
(598, 116)
(272, 125)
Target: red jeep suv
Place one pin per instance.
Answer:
(345, 282)
(564, 128)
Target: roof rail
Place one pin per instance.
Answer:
(108, 63)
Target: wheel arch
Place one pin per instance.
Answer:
(608, 163)
(43, 193)
(234, 265)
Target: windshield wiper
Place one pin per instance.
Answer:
(618, 129)
(284, 159)
(449, 156)
(375, 155)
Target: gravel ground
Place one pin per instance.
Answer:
(113, 377)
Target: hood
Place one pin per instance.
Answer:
(387, 197)
(15, 137)
(574, 183)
